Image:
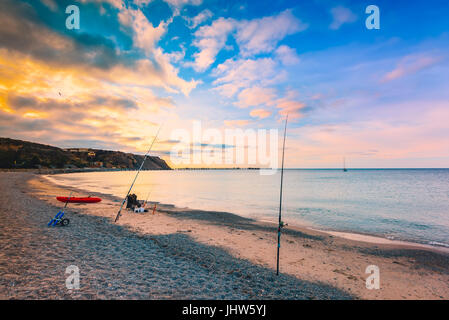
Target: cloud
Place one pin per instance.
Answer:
(177, 5)
(210, 40)
(116, 3)
(181, 3)
(250, 80)
(22, 32)
(290, 107)
(140, 3)
(176, 56)
(287, 55)
(145, 36)
(235, 74)
(203, 16)
(256, 96)
(410, 65)
(260, 113)
(51, 4)
(58, 87)
(227, 89)
(57, 120)
(22, 103)
(236, 123)
(252, 36)
(262, 35)
(341, 15)
(169, 74)
(59, 128)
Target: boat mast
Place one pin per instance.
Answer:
(281, 224)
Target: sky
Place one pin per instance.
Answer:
(379, 98)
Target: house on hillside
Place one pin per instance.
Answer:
(81, 150)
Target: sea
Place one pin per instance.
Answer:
(397, 204)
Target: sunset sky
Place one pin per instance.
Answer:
(380, 98)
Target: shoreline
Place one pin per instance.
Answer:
(235, 255)
(373, 239)
(369, 238)
(58, 171)
(350, 235)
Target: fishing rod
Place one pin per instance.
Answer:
(137, 174)
(146, 200)
(67, 202)
(281, 224)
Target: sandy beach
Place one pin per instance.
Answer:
(181, 253)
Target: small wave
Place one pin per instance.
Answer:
(438, 244)
(405, 223)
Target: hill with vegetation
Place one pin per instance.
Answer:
(18, 154)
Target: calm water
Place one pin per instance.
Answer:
(404, 204)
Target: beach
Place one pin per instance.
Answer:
(183, 253)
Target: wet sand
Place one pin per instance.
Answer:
(181, 253)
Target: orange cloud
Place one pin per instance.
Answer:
(58, 105)
(255, 96)
(290, 107)
(236, 123)
(410, 65)
(260, 113)
(56, 89)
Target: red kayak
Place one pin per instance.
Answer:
(78, 200)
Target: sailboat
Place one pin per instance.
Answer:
(344, 165)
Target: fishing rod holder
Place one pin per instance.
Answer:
(282, 224)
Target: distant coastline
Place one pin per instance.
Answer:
(24, 155)
(50, 171)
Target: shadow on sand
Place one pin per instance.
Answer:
(202, 271)
(117, 263)
(227, 219)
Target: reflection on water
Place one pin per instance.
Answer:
(398, 204)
